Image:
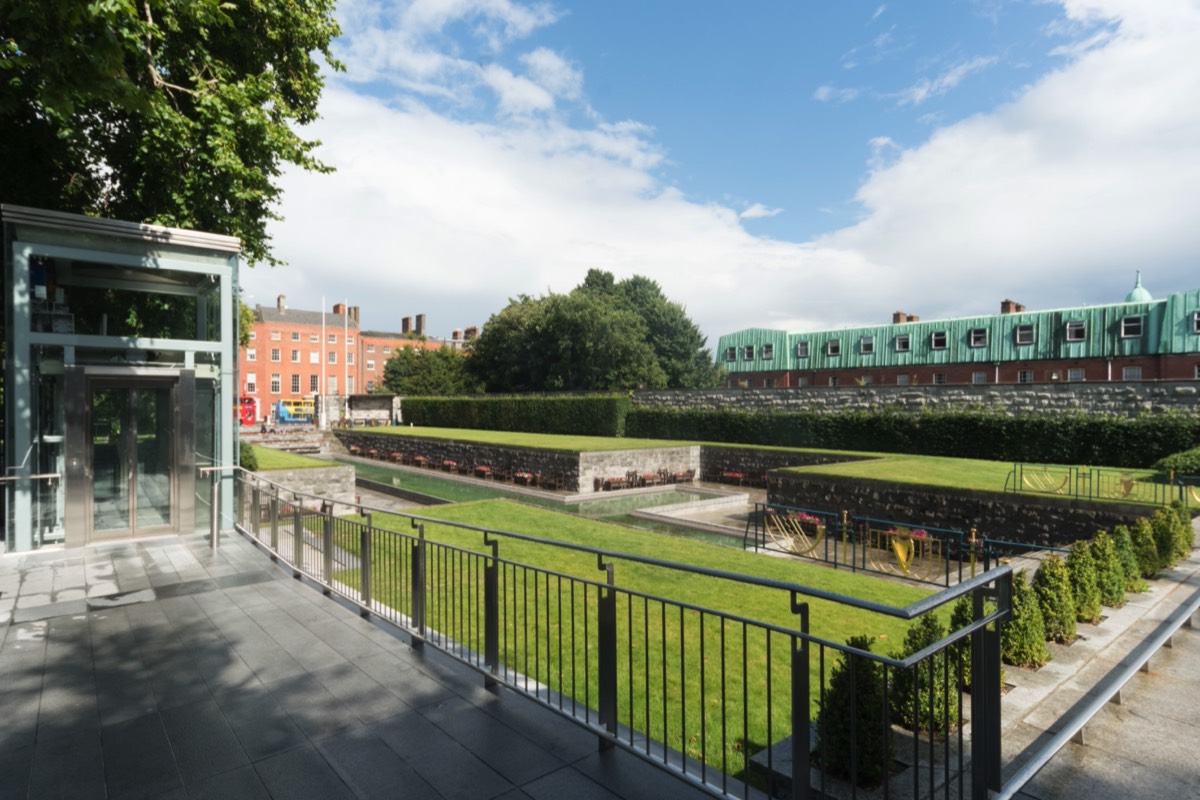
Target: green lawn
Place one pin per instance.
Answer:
(540, 612)
(270, 458)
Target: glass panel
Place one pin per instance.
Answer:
(206, 445)
(110, 459)
(154, 456)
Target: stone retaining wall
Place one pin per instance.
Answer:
(717, 462)
(1042, 521)
(1117, 398)
(334, 482)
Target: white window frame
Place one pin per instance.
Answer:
(349, 341)
(1024, 334)
(295, 356)
(939, 378)
(295, 383)
(767, 352)
(1131, 373)
(333, 356)
(802, 380)
(748, 352)
(903, 343)
(333, 338)
(251, 354)
(314, 383)
(253, 335)
(1197, 375)
(1196, 322)
(833, 348)
(866, 345)
(939, 337)
(295, 336)
(866, 380)
(276, 355)
(833, 380)
(331, 384)
(1076, 375)
(730, 354)
(370, 348)
(252, 382)
(276, 336)
(314, 357)
(977, 337)
(802, 349)
(387, 351)
(1076, 331)
(1025, 376)
(978, 378)
(904, 380)
(350, 358)
(314, 338)
(1131, 326)
(276, 384)
(370, 365)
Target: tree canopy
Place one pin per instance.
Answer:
(174, 113)
(603, 335)
(419, 371)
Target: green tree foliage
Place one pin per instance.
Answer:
(602, 336)
(1052, 585)
(1023, 637)
(1144, 547)
(926, 696)
(857, 683)
(1110, 575)
(1084, 588)
(246, 457)
(414, 371)
(1129, 560)
(176, 113)
(245, 323)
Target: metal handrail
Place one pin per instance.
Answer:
(49, 475)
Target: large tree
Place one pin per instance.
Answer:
(421, 371)
(603, 335)
(176, 112)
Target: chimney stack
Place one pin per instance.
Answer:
(281, 303)
(353, 310)
(1009, 307)
(900, 316)
(420, 324)
(406, 325)
(471, 332)
(456, 335)
(339, 308)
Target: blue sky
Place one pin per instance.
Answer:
(777, 164)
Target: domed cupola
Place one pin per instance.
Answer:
(1138, 294)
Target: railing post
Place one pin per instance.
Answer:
(364, 568)
(297, 539)
(256, 504)
(491, 610)
(274, 505)
(327, 551)
(801, 716)
(214, 499)
(418, 586)
(606, 647)
(985, 693)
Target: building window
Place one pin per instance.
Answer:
(276, 336)
(370, 365)
(333, 338)
(801, 349)
(350, 341)
(978, 337)
(387, 351)
(768, 383)
(350, 358)
(939, 378)
(978, 377)
(253, 335)
(251, 354)
(866, 345)
(1195, 322)
(314, 357)
(252, 383)
(731, 354)
(1131, 327)
(833, 380)
(748, 353)
(1131, 373)
(276, 386)
(1075, 374)
(1197, 375)
(295, 336)
(803, 379)
(768, 352)
(312, 384)
(370, 348)
(1023, 334)
(331, 384)
(295, 356)
(333, 356)
(833, 348)
(1025, 376)
(314, 338)
(903, 343)
(1076, 331)
(349, 384)
(275, 354)
(903, 380)
(370, 386)
(295, 384)
(937, 340)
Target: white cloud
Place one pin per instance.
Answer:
(553, 73)
(878, 13)
(925, 88)
(759, 211)
(514, 93)
(831, 94)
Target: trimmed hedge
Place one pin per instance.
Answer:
(583, 415)
(990, 435)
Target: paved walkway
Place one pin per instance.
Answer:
(160, 669)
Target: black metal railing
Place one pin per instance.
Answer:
(1102, 483)
(724, 698)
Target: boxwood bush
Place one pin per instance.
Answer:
(856, 683)
(1052, 585)
(1023, 637)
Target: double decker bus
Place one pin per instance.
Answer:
(294, 410)
(246, 410)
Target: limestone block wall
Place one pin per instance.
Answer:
(1042, 521)
(335, 482)
(595, 467)
(1117, 398)
(754, 464)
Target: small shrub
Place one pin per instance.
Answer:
(961, 616)
(1110, 576)
(1165, 526)
(1023, 637)
(1144, 548)
(246, 457)
(1128, 559)
(1052, 585)
(1185, 462)
(1185, 534)
(1085, 590)
(925, 697)
(868, 735)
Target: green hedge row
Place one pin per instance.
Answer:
(1057, 438)
(585, 415)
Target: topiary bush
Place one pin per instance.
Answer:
(1023, 636)
(246, 457)
(1185, 462)
(925, 696)
(1084, 588)
(1052, 585)
(1128, 559)
(866, 735)
(1144, 547)
(1165, 526)
(1110, 575)
(1185, 534)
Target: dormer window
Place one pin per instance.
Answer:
(833, 347)
(1131, 327)
(978, 337)
(768, 352)
(903, 343)
(1077, 331)
(937, 340)
(866, 345)
(731, 354)
(1023, 334)
(748, 353)
(801, 349)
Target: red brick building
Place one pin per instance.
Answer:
(298, 354)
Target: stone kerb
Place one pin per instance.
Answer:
(1030, 519)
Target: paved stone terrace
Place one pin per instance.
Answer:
(161, 669)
